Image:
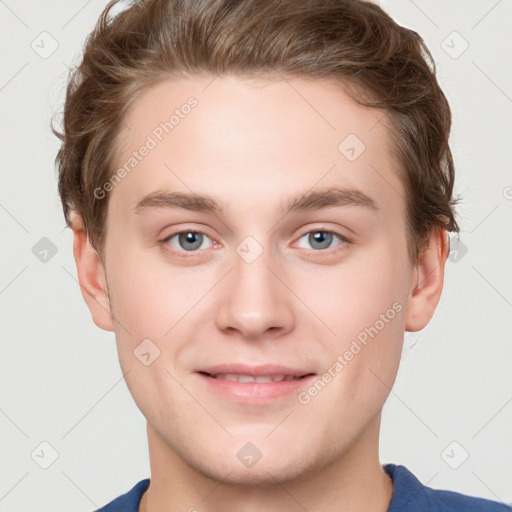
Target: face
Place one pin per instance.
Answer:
(273, 306)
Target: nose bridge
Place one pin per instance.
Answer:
(254, 300)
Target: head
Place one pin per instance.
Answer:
(301, 150)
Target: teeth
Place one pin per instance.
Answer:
(249, 378)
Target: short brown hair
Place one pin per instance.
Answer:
(351, 42)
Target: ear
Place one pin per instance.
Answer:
(91, 276)
(428, 281)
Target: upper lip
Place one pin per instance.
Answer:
(254, 371)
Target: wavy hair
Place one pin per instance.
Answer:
(351, 42)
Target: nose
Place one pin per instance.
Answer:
(254, 299)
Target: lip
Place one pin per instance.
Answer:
(254, 371)
(254, 392)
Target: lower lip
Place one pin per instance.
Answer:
(255, 392)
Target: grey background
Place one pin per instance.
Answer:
(60, 378)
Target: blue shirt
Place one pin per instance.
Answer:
(409, 495)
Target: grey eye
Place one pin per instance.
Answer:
(319, 240)
(187, 240)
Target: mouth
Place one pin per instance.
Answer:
(264, 379)
(253, 385)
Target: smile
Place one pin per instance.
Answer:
(250, 378)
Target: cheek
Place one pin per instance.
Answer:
(145, 300)
(147, 303)
(154, 302)
(362, 365)
(159, 395)
(371, 329)
(364, 305)
(352, 297)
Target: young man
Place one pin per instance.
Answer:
(260, 194)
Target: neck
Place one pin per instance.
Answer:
(354, 482)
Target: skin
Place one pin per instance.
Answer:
(251, 145)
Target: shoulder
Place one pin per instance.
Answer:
(410, 494)
(453, 501)
(128, 502)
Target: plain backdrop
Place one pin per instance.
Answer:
(449, 416)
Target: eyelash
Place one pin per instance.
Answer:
(191, 254)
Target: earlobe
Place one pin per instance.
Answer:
(429, 279)
(91, 276)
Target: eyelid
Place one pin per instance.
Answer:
(183, 231)
(322, 227)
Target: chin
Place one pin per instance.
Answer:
(262, 474)
(261, 462)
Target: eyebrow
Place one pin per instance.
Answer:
(312, 200)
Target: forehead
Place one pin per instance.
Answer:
(264, 137)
